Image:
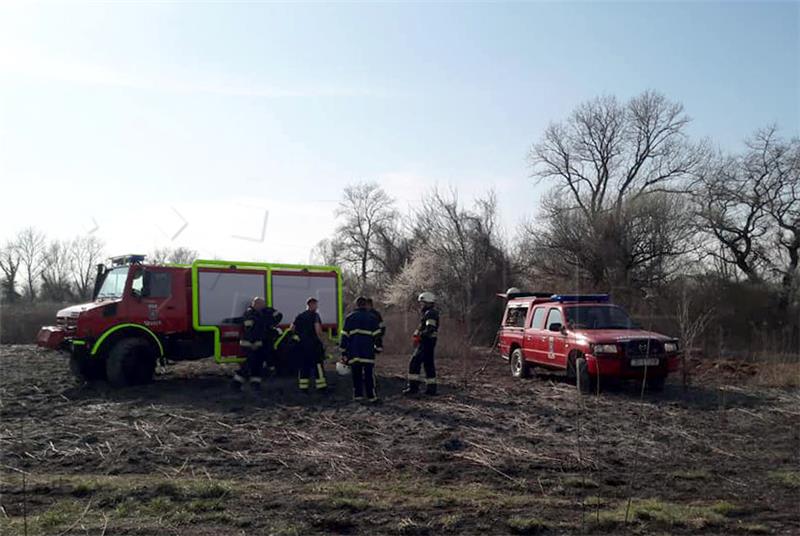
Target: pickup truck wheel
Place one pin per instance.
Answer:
(87, 369)
(656, 384)
(584, 380)
(131, 362)
(519, 367)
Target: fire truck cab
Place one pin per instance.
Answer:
(142, 313)
(586, 336)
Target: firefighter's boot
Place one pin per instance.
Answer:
(412, 389)
(430, 389)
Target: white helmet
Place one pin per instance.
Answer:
(427, 297)
(342, 369)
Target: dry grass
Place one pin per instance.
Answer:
(784, 375)
(20, 322)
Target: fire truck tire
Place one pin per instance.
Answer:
(656, 383)
(87, 369)
(131, 361)
(519, 367)
(583, 379)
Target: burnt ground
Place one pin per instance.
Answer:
(494, 456)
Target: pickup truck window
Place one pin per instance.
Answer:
(554, 317)
(598, 317)
(515, 317)
(538, 318)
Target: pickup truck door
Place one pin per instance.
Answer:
(556, 341)
(534, 345)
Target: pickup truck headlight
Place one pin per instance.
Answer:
(604, 349)
(670, 347)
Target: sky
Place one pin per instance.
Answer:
(232, 128)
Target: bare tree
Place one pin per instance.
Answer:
(56, 273)
(9, 263)
(368, 215)
(86, 252)
(167, 255)
(749, 204)
(470, 261)
(781, 160)
(31, 246)
(613, 165)
(325, 252)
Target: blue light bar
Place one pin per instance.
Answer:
(569, 298)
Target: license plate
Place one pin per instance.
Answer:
(651, 362)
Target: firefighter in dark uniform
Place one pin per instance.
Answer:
(358, 343)
(425, 342)
(257, 338)
(381, 324)
(308, 327)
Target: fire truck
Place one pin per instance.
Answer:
(586, 336)
(142, 314)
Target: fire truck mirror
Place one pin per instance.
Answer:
(555, 326)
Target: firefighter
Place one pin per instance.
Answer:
(358, 343)
(425, 343)
(259, 322)
(379, 338)
(308, 327)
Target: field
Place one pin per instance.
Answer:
(491, 455)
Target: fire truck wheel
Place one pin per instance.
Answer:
(519, 367)
(656, 384)
(584, 380)
(131, 361)
(87, 369)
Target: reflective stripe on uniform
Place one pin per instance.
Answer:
(238, 378)
(361, 360)
(255, 379)
(321, 383)
(362, 332)
(250, 344)
(430, 381)
(413, 377)
(430, 322)
(249, 323)
(304, 383)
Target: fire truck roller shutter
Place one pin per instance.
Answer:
(291, 290)
(227, 294)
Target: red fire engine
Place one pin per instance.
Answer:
(586, 336)
(143, 313)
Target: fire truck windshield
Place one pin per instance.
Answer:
(598, 317)
(114, 283)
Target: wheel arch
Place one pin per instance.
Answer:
(120, 331)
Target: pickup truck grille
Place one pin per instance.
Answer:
(643, 347)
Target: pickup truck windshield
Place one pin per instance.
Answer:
(598, 317)
(114, 283)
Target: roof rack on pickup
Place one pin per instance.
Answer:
(565, 298)
(521, 294)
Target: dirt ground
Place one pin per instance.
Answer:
(493, 455)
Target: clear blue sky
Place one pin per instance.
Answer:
(124, 114)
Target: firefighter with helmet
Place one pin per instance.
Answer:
(358, 343)
(260, 322)
(425, 344)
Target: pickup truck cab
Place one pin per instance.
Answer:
(585, 336)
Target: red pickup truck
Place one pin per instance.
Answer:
(586, 336)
